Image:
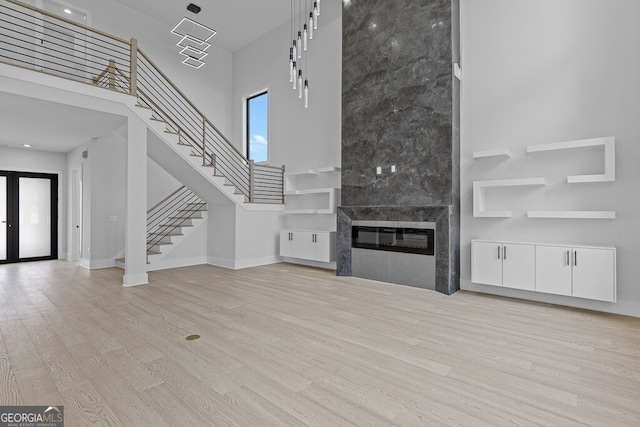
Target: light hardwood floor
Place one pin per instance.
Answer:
(284, 345)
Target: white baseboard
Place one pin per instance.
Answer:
(242, 263)
(626, 308)
(129, 280)
(85, 263)
(176, 263)
(221, 262)
(102, 263)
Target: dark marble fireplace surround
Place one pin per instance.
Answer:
(400, 107)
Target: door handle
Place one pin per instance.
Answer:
(575, 258)
(498, 251)
(504, 253)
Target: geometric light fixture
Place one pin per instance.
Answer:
(194, 38)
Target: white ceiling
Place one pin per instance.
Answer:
(50, 126)
(237, 22)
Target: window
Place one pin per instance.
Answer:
(258, 127)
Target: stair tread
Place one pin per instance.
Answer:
(171, 132)
(153, 253)
(145, 107)
(195, 155)
(158, 120)
(174, 225)
(119, 259)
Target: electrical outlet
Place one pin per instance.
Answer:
(113, 218)
(379, 170)
(393, 168)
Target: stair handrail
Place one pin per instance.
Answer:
(163, 201)
(191, 104)
(186, 119)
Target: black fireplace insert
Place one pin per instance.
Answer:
(394, 236)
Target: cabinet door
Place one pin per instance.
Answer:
(297, 243)
(553, 270)
(323, 247)
(285, 243)
(486, 265)
(518, 266)
(594, 274)
(308, 245)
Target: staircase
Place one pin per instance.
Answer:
(181, 139)
(120, 65)
(170, 222)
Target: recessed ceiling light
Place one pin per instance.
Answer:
(26, 145)
(67, 11)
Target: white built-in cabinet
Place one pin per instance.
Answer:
(308, 244)
(510, 265)
(579, 271)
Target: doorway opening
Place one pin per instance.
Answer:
(28, 216)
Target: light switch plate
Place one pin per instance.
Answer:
(379, 170)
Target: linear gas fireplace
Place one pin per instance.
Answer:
(394, 236)
(400, 252)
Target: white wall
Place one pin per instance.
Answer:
(12, 159)
(299, 138)
(103, 198)
(159, 183)
(108, 157)
(208, 87)
(542, 72)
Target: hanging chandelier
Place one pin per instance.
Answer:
(194, 39)
(298, 51)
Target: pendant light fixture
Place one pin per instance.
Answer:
(301, 44)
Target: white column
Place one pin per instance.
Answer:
(135, 270)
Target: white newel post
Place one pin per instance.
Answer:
(135, 272)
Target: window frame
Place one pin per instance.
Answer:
(247, 122)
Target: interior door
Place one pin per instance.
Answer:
(3, 218)
(30, 211)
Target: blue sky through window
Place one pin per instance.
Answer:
(258, 127)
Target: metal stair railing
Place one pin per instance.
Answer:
(171, 214)
(36, 39)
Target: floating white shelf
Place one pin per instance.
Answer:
(500, 152)
(314, 171)
(313, 191)
(573, 214)
(479, 196)
(609, 144)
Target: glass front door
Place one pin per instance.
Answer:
(28, 216)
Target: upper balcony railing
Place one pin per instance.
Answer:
(38, 40)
